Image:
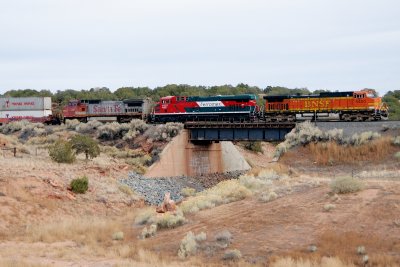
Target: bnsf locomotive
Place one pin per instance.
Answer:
(120, 111)
(346, 106)
(199, 108)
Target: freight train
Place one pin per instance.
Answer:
(346, 106)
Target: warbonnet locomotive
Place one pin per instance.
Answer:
(104, 110)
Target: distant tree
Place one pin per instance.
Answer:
(85, 144)
(392, 99)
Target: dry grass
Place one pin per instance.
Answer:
(86, 231)
(332, 153)
(343, 247)
(224, 192)
(324, 262)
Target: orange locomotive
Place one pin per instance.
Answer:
(346, 106)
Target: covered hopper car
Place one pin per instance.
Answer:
(200, 108)
(102, 110)
(347, 106)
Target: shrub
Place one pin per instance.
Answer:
(136, 127)
(14, 126)
(343, 185)
(118, 236)
(189, 244)
(145, 215)
(329, 207)
(305, 133)
(232, 254)
(396, 140)
(112, 131)
(72, 124)
(146, 233)
(61, 151)
(224, 192)
(126, 189)
(188, 192)
(85, 144)
(166, 131)
(224, 236)
(253, 146)
(397, 155)
(88, 128)
(32, 130)
(168, 220)
(268, 196)
(363, 138)
(80, 185)
(361, 250)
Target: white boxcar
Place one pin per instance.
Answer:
(24, 114)
(107, 107)
(25, 103)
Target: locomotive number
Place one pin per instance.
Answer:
(316, 104)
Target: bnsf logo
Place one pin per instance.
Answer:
(107, 109)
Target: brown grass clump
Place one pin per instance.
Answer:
(343, 185)
(332, 153)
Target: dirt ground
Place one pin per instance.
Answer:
(44, 224)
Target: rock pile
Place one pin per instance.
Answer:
(154, 189)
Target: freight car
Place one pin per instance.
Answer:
(102, 110)
(199, 108)
(346, 106)
(34, 109)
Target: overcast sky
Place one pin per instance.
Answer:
(318, 44)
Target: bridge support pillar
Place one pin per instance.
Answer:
(182, 157)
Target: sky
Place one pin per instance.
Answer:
(80, 44)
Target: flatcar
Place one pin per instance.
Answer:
(347, 106)
(205, 108)
(101, 110)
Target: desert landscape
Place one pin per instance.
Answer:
(330, 200)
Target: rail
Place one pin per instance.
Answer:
(247, 125)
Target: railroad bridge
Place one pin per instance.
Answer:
(238, 131)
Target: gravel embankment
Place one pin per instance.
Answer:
(350, 128)
(153, 189)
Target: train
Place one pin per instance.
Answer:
(345, 106)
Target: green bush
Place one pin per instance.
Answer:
(61, 151)
(85, 144)
(80, 185)
(253, 146)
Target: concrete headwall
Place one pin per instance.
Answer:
(181, 157)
